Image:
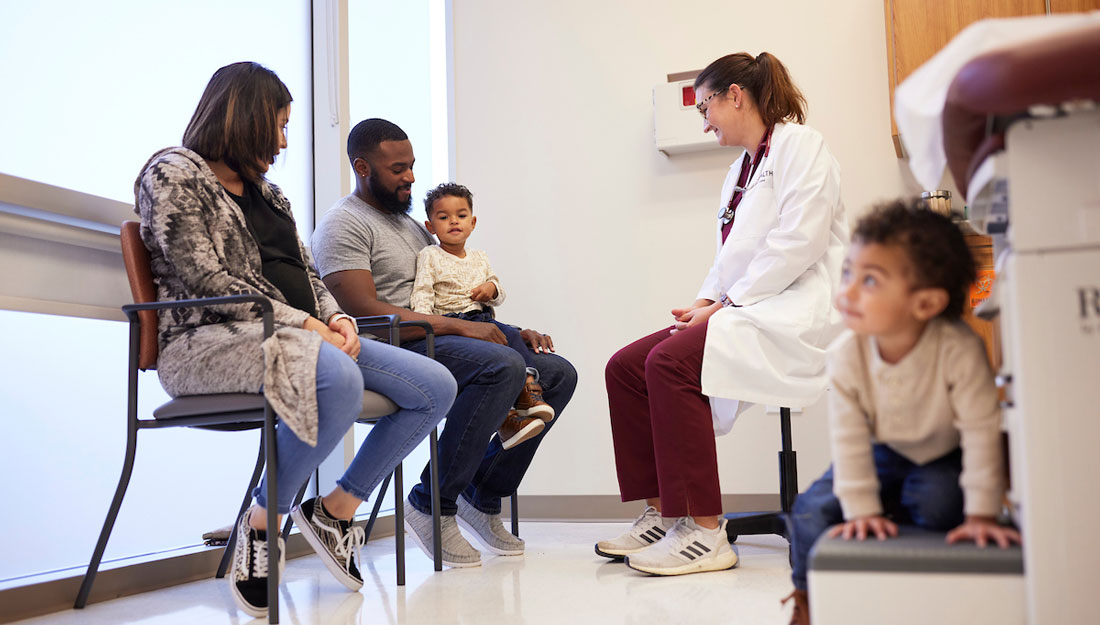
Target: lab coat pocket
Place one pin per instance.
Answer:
(757, 214)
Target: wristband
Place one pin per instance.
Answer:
(339, 316)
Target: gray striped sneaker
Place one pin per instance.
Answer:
(686, 548)
(648, 528)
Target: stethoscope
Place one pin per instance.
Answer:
(726, 213)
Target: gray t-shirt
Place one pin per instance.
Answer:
(355, 235)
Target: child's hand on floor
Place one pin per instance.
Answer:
(982, 529)
(860, 527)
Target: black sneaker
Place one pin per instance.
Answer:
(337, 541)
(248, 577)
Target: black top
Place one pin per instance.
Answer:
(277, 239)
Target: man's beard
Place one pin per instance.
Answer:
(388, 199)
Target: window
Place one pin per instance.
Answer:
(91, 91)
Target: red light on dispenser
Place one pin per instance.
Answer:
(688, 93)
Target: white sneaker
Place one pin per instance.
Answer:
(648, 528)
(686, 548)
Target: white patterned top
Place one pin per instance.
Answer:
(444, 281)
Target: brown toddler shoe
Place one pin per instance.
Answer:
(801, 613)
(517, 429)
(530, 403)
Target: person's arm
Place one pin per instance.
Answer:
(422, 299)
(489, 291)
(855, 480)
(973, 396)
(807, 188)
(355, 291)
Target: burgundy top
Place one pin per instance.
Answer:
(761, 151)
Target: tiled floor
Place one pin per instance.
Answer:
(559, 580)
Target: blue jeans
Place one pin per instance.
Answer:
(927, 495)
(421, 388)
(511, 333)
(489, 378)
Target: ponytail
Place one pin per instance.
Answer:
(767, 81)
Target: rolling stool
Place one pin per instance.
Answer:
(750, 523)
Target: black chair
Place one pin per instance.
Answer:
(772, 522)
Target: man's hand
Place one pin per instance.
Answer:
(879, 525)
(480, 331)
(484, 292)
(982, 529)
(346, 328)
(540, 343)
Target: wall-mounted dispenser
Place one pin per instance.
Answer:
(676, 123)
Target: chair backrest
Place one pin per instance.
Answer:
(140, 275)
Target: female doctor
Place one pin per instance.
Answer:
(756, 333)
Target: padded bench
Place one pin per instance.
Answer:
(915, 578)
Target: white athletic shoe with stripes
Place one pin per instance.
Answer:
(647, 530)
(686, 548)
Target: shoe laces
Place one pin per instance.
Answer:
(640, 522)
(680, 535)
(534, 390)
(259, 557)
(351, 542)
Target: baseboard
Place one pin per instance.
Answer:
(610, 508)
(56, 592)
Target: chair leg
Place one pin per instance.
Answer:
(751, 523)
(223, 566)
(515, 514)
(437, 539)
(398, 521)
(273, 555)
(109, 522)
(289, 522)
(378, 506)
(788, 464)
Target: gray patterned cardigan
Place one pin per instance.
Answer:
(200, 246)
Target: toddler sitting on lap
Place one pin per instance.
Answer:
(458, 282)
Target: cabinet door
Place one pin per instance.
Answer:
(917, 29)
(1073, 6)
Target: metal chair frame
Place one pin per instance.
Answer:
(236, 420)
(774, 522)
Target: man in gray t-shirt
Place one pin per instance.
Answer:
(355, 236)
(366, 248)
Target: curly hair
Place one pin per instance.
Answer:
(447, 189)
(933, 244)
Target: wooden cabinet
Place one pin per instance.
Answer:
(917, 29)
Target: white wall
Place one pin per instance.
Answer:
(595, 234)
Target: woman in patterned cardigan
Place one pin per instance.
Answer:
(215, 226)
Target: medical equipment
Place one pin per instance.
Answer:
(1030, 165)
(677, 126)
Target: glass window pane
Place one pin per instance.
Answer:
(94, 88)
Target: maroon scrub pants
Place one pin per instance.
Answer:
(661, 423)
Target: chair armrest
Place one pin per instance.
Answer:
(131, 310)
(393, 322)
(380, 321)
(429, 334)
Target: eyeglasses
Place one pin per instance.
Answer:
(702, 106)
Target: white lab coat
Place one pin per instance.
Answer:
(781, 266)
